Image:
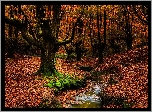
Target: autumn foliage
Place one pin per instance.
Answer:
(54, 52)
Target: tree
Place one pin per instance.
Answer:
(90, 32)
(69, 50)
(46, 38)
(10, 41)
(128, 28)
(114, 45)
(141, 11)
(101, 45)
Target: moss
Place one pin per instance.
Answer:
(63, 82)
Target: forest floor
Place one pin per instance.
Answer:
(130, 70)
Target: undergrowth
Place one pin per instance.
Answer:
(62, 82)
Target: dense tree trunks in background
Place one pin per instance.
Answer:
(47, 38)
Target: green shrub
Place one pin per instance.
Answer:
(62, 82)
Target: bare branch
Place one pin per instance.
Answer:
(14, 22)
(23, 29)
(29, 38)
(31, 30)
(73, 33)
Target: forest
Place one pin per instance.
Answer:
(76, 56)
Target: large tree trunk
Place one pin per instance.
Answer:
(47, 66)
(47, 62)
(49, 43)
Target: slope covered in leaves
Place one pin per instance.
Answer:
(129, 69)
(22, 89)
(133, 83)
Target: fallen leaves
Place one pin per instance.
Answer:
(22, 89)
(134, 83)
(132, 79)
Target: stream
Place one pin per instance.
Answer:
(89, 98)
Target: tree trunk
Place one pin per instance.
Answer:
(11, 40)
(91, 40)
(49, 44)
(47, 66)
(128, 34)
(47, 63)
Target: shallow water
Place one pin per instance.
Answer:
(87, 104)
(89, 99)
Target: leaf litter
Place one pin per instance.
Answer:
(23, 89)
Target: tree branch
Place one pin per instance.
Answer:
(69, 40)
(73, 33)
(28, 38)
(14, 22)
(31, 30)
(23, 29)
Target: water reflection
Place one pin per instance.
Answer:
(90, 98)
